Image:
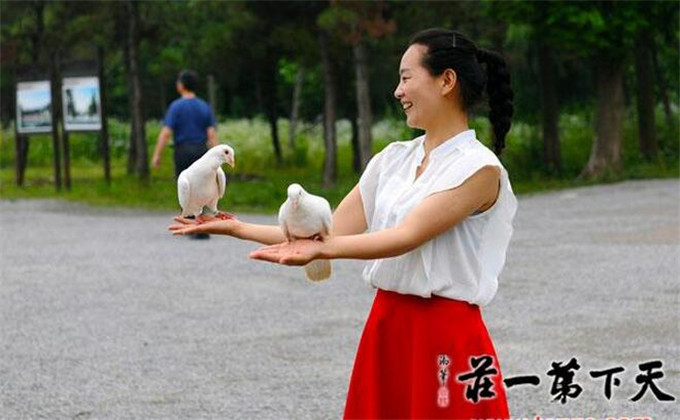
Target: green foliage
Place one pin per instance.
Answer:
(242, 43)
(258, 184)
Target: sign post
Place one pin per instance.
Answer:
(104, 133)
(34, 116)
(74, 91)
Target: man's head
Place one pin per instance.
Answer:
(187, 80)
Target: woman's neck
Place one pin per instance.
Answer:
(188, 95)
(448, 126)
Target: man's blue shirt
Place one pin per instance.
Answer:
(189, 119)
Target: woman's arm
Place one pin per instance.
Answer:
(348, 219)
(264, 234)
(436, 214)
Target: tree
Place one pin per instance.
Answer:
(607, 31)
(655, 19)
(330, 161)
(138, 159)
(644, 84)
(531, 20)
(357, 23)
(601, 32)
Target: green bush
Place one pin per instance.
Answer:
(259, 181)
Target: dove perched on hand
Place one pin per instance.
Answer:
(203, 183)
(304, 215)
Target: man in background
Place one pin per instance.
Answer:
(191, 122)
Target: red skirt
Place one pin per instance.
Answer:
(411, 357)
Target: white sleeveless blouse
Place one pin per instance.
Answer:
(462, 263)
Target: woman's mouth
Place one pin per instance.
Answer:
(406, 106)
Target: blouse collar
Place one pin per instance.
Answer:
(451, 144)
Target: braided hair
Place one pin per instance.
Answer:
(447, 49)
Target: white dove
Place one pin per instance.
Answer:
(305, 215)
(203, 183)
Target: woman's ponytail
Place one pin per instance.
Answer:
(448, 49)
(500, 95)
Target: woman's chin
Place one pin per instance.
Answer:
(412, 123)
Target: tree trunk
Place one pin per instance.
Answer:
(141, 163)
(37, 36)
(550, 109)
(163, 98)
(663, 90)
(132, 151)
(274, 130)
(212, 89)
(645, 98)
(363, 102)
(55, 95)
(330, 158)
(104, 133)
(605, 156)
(21, 156)
(295, 107)
(356, 154)
(272, 114)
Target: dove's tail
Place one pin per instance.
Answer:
(318, 270)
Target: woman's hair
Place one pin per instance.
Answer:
(447, 49)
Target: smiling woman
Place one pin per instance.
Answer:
(433, 217)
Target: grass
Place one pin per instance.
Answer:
(258, 184)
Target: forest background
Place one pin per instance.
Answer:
(303, 91)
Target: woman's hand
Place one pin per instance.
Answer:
(189, 226)
(298, 252)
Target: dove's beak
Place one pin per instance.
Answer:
(231, 162)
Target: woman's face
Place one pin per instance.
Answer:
(419, 93)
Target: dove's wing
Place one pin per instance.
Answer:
(321, 209)
(283, 219)
(183, 191)
(326, 226)
(221, 181)
(327, 217)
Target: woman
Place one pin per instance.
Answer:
(434, 217)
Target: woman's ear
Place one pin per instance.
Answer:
(448, 81)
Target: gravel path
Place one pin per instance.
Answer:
(105, 315)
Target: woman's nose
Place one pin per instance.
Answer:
(398, 93)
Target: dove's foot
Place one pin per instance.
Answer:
(202, 218)
(220, 215)
(224, 215)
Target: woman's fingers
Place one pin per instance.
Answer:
(293, 260)
(177, 227)
(268, 248)
(270, 256)
(182, 229)
(185, 221)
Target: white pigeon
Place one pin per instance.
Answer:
(203, 183)
(308, 216)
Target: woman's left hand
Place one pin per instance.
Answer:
(298, 252)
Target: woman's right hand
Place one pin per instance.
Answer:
(188, 226)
